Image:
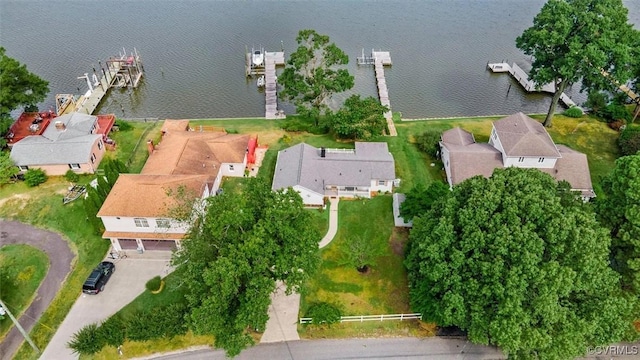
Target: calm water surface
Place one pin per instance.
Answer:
(193, 51)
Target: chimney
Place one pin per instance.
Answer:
(150, 146)
(323, 152)
(60, 126)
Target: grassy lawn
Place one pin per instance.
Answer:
(131, 145)
(27, 266)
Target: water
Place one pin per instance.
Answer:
(193, 51)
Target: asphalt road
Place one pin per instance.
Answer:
(352, 349)
(60, 258)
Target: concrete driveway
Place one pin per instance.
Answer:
(126, 283)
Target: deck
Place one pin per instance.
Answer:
(271, 60)
(523, 79)
(380, 59)
(29, 123)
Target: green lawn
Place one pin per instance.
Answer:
(27, 266)
(131, 145)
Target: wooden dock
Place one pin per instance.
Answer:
(380, 59)
(523, 79)
(271, 61)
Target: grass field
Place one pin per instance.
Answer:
(26, 266)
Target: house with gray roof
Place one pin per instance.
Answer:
(318, 173)
(72, 141)
(516, 140)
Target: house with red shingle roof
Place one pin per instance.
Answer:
(516, 140)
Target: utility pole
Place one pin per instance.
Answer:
(17, 324)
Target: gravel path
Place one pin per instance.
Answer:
(60, 258)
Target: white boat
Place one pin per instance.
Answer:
(257, 57)
(261, 81)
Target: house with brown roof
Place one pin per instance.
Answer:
(184, 166)
(516, 140)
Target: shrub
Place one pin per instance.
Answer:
(324, 313)
(87, 340)
(616, 125)
(35, 177)
(286, 139)
(113, 330)
(154, 284)
(429, 142)
(629, 141)
(166, 322)
(597, 101)
(71, 176)
(123, 125)
(614, 112)
(574, 112)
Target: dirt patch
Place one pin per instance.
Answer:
(21, 199)
(398, 240)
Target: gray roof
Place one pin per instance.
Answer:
(303, 165)
(72, 145)
(573, 167)
(521, 135)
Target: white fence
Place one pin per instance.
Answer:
(362, 318)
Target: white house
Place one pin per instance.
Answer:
(137, 211)
(516, 140)
(318, 173)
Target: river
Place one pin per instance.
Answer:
(193, 51)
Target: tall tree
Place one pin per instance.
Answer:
(619, 209)
(359, 119)
(18, 86)
(236, 251)
(512, 262)
(313, 74)
(7, 168)
(573, 40)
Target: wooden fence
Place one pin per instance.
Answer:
(362, 318)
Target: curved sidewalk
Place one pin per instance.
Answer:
(333, 223)
(60, 259)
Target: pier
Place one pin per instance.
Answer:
(380, 59)
(523, 79)
(268, 70)
(118, 71)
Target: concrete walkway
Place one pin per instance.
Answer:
(333, 223)
(283, 311)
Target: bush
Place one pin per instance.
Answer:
(629, 141)
(123, 125)
(87, 341)
(298, 125)
(429, 142)
(157, 323)
(154, 284)
(71, 176)
(113, 330)
(613, 112)
(35, 177)
(574, 112)
(597, 101)
(324, 313)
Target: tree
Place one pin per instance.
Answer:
(35, 177)
(629, 141)
(361, 253)
(420, 198)
(619, 210)
(573, 40)
(18, 86)
(359, 119)
(508, 261)
(429, 142)
(236, 251)
(312, 76)
(8, 170)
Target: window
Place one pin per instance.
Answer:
(230, 167)
(93, 158)
(23, 167)
(382, 183)
(349, 188)
(541, 160)
(521, 159)
(141, 222)
(74, 166)
(100, 144)
(163, 223)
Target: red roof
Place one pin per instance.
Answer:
(251, 148)
(29, 123)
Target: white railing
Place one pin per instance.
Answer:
(340, 151)
(362, 318)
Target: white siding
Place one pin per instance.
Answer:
(309, 198)
(446, 160)
(387, 187)
(238, 168)
(530, 162)
(127, 224)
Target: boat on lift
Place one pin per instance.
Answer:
(257, 57)
(261, 81)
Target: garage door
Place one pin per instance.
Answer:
(128, 244)
(159, 244)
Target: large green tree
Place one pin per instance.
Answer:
(619, 209)
(578, 40)
(515, 263)
(234, 254)
(359, 119)
(313, 74)
(7, 168)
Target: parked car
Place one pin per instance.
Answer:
(98, 278)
